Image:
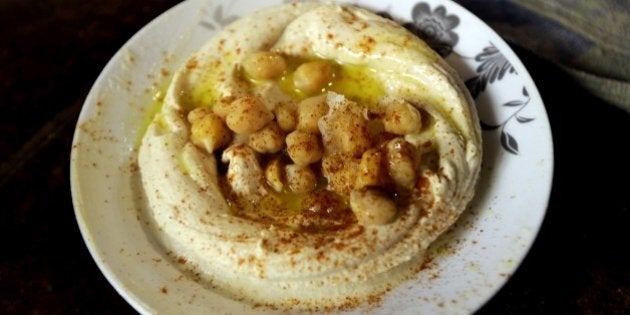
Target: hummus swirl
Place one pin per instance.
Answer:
(277, 264)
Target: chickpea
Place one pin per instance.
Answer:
(247, 115)
(304, 147)
(223, 107)
(312, 77)
(300, 178)
(401, 118)
(198, 113)
(208, 131)
(274, 173)
(371, 169)
(400, 163)
(264, 65)
(270, 139)
(309, 111)
(372, 207)
(285, 116)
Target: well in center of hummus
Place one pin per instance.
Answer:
(308, 155)
(293, 152)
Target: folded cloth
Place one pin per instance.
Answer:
(590, 39)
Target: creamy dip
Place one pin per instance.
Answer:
(308, 155)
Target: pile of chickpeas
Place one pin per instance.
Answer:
(314, 133)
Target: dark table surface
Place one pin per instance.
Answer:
(51, 52)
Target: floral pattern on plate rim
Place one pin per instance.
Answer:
(436, 27)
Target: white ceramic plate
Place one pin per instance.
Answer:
(470, 263)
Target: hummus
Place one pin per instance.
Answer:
(308, 155)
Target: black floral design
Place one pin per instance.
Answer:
(493, 67)
(218, 20)
(435, 27)
(508, 142)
